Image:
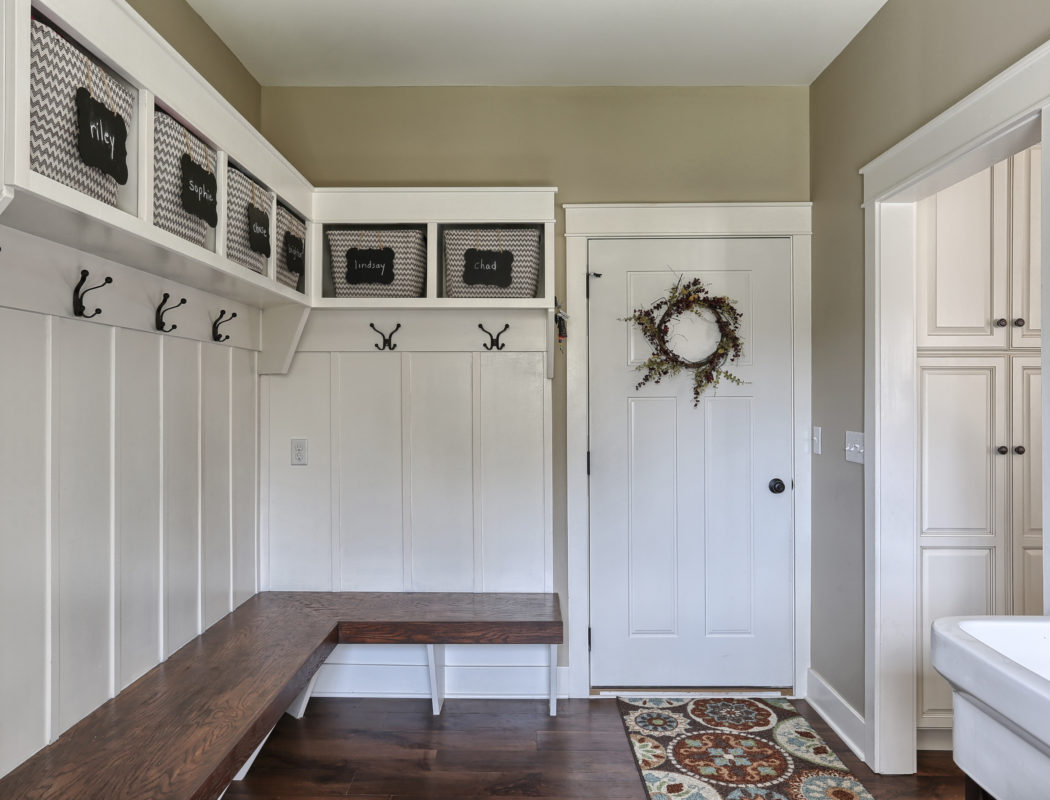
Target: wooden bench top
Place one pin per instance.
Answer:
(184, 728)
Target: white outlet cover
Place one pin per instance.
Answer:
(854, 447)
(300, 456)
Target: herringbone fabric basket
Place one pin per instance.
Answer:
(410, 261)
(169, 146)
(287, 222)
(56, 70)
(524, 243)
(239, 195)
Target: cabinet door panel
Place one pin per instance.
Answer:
(962, 277)
(1027, 484)
(1027, 251)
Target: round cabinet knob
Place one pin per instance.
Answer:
(1019, 449)
(1002, 449)
(776, 486)
(1001, 323)
(1018, 323)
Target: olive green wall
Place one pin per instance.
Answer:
(595, 144)
(184, 29)
(911, 62)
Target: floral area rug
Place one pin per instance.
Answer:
(732, 748)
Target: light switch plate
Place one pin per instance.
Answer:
(816, 440)
(855, 447)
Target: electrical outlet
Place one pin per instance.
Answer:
(299, 453)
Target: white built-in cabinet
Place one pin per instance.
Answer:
(980, 438)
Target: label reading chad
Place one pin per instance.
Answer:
(487, 267)
(258, 230)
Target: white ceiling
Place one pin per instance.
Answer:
(536, 42)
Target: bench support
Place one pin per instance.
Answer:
(243, 771)
(436, 673)
(553, 680)
(298, 706)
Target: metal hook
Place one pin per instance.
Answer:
(222, 319)
(494, 341)
(387, 340)
(161, 311)
(78, 295)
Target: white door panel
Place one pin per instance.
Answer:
(1027, 323)
(1027, 485)
(691, 554)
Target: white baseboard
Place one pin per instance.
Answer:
(934, 738)
(834, 710)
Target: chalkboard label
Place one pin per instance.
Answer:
(199, 191)
(487, 267)
(370, 266)
(258, 230)
(102, 137)
(294, 253)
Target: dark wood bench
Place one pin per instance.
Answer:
(185, 728)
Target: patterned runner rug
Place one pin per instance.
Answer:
(731, 748)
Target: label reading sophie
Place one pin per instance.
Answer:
(294, 253)
(487, 267)
(199, 191)
(370, 266)
(258, 230)
(102, 137)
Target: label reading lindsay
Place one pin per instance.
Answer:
(258, 230)
(370, 266)
(487, 267)
(199, 191)
(294, 253)
(102, 137)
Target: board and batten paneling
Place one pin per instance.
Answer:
(244, 451)
(216, 487)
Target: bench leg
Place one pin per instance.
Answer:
(298, 706)
(553, 680)
(436, 672)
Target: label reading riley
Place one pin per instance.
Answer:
(487, 267)
(102, 137)
(258, 230)
(370, 266)
(199, 191)
(294, 253)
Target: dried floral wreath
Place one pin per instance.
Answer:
(654, 322)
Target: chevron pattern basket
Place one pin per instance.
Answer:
(169, 146)
(524, 243)
(410, 261)
(56, 70)
(287, 222)
(242, 191)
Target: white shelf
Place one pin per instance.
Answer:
(431, 302)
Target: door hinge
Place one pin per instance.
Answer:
(588, 640)
(588, 462)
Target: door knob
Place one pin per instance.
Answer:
(1001, 323)
(1019, 449)
(1002, 449)
(776, 486)
(1018, 323)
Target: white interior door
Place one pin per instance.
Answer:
(691, 551)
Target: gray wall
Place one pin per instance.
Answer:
(911, 62)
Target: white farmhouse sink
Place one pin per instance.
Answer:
(999, 671)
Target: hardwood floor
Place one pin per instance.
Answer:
(387, 749)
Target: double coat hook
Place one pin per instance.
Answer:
(494, 342)
(388, 341)
(222, 319)
(161, 311)
(78, 295)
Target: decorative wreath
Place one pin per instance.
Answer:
(654, 322)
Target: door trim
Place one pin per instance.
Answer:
(1004, 116)
(678, 220)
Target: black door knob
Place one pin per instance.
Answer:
(776, 486)
(1019, 449)
(1002, 449)
(1018, 323)
(1001, 323)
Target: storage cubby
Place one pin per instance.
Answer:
(290, 242)
(250, 214)
(491, 260)
(375, 261)
(172, 142)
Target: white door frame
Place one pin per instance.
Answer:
(677, 220)
(1002, 117)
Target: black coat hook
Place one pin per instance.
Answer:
(161, 311)
(494, 341)
(78, 295)
(222, 319)
(387, 340)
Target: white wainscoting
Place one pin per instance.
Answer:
(127, 484)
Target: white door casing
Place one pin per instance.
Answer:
(691, 578)
(586, 222)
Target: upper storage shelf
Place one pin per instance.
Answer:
(200, 197)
